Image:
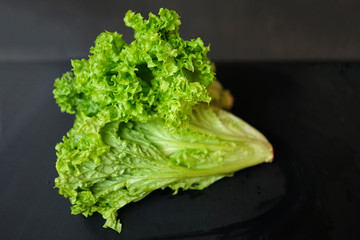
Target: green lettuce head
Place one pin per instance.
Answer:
(148, 116)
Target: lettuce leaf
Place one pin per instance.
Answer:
(144, 122)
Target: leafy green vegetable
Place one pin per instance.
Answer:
(144, 122)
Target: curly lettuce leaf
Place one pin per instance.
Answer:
(159, 75)
(143, 120)
(136, 158)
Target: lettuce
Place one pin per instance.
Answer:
(148, 115)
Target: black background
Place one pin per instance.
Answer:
(293, 68)
(236, 29)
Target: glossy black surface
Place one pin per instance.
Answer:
(309, 111)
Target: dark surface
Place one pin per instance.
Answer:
(309, 111)
(236, 29)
